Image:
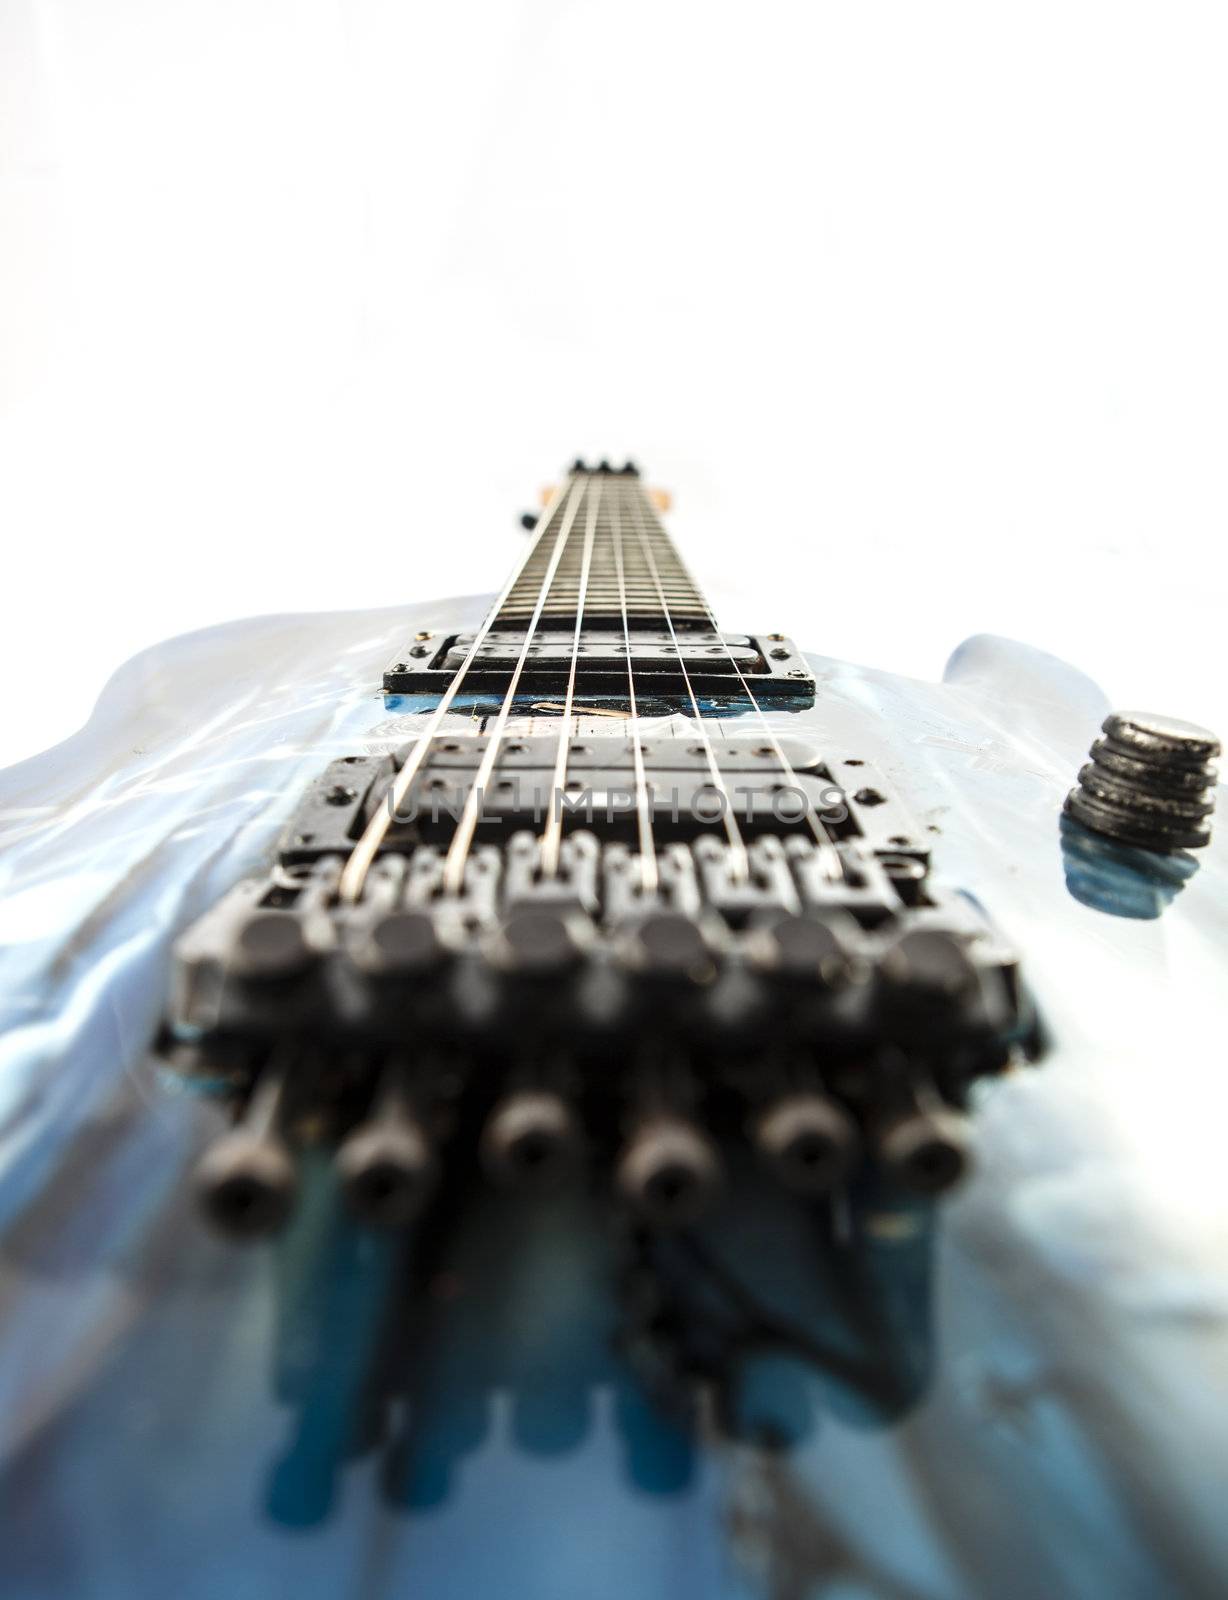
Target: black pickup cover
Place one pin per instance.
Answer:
(771, 664)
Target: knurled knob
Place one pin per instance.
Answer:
(1150, 782)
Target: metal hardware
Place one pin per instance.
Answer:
(1150, 782)
(712, 660)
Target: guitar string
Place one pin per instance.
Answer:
(739, 860)
(649, 875)
(354, 875)
(552, 834)
(458, 851)
(830, 864)
(358, 864)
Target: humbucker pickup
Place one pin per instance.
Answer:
(712, 663)
(599, 791)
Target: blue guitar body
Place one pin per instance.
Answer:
(1022, 1393)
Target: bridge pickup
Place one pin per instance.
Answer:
(712, 662)
(599, 795)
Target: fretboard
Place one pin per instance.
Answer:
(627, 533)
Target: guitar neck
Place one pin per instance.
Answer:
(618, 564)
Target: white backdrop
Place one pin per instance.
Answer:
(920, 309)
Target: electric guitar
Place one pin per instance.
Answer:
(550, 1097)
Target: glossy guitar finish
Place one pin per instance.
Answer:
(1021, 1394)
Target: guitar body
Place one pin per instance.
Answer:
(1020, 1392)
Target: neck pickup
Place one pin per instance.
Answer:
(714, 663)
